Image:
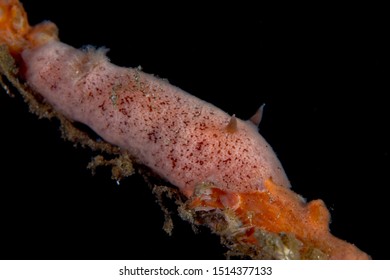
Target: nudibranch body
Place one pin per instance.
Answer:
(183, 139)
(231, 178)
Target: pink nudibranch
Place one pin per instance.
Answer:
(182, 138)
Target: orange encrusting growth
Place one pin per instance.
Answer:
(280, 210)
(15, 31)
(13, 25)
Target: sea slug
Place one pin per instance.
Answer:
(182, 138)
(227, 175)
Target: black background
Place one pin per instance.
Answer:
(320, 70)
